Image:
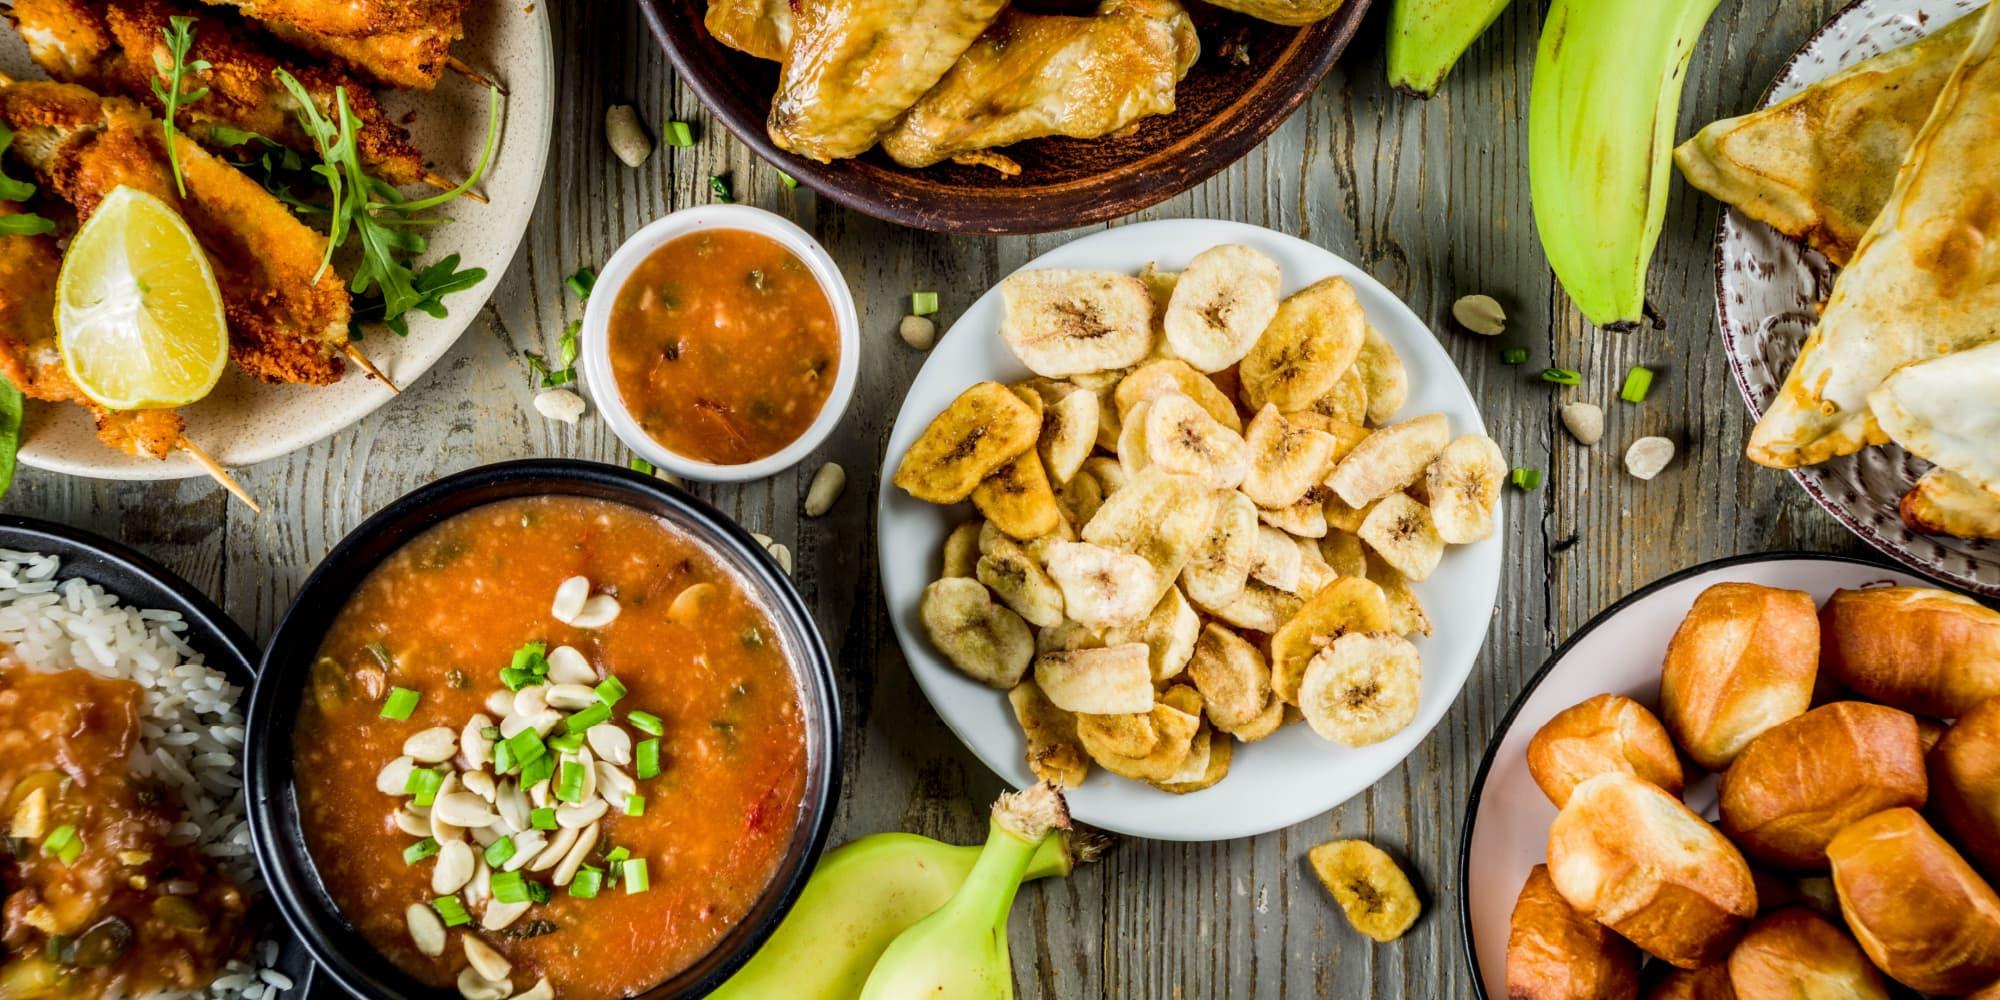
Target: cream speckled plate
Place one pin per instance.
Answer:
(1767, 291)
(245, 421)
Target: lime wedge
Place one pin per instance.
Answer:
(138, 314)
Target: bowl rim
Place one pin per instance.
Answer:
(596, 349)
(289, 874)
(1520, 700)
(1175, 168)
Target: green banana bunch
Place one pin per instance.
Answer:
(1601, 113)
(861, 896)
(1427, 37)
(960, 951)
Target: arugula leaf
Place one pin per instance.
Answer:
(25, 225)
(366, 209)
(10, 432)
(174, 65)
(12, 189)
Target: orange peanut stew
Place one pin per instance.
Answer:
(557, 727)
(724, 346)
(99, 901)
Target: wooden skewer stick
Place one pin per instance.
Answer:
(361, 361)
(446, 184)
(218, 473)
(457, 65)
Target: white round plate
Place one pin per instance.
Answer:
(1767, 293)
(1276, 782)
(1506, 828)
(245, 421)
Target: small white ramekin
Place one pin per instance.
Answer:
(596, 349)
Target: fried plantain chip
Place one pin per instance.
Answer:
(1349, 604)
(1102, 587)
(1401, 531)
(1154, 379)
(1168, 633)
(1069, 432)
(1390, 459)
(1232, 676)
(1106, 680)
(985, 641)
(1064, 322)
(1020, 583)
(1305, 518)
(1222, 302)
(1017, 498)
(1216, 752)
(1406, 612)
(1053, 753)
(961, 549)
(1371, 889)
(1261, 608)
(1362, 689)
(1286, 460)
(983, 429)
(1182, 438)
(1220, 566)
(1311, 341)
(1383, 377)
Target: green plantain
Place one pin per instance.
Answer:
(1427, 37)
(1601, 113)
(862, 895)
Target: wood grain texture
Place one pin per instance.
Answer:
(1429, 196)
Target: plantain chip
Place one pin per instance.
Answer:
(962, 549)
(984, 640)
(984, 428)
(1232, 677)
(1349, 604)
(1107, 680)
(1168, 633)
(1053, 753)
(1154, 379)
(1017, 498)
(1371, 889)
(1308, 345)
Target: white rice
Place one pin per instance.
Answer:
(191, 735)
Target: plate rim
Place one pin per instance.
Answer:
(379, 395)
(858, 193)
(1729, 215)
(910, 645)
(1469, 815)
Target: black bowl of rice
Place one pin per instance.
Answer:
(70, 600)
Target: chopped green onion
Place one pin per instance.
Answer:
(569, 783)
(515, 680)
(615, 855)
(537, 892)
(490, 732)
(537, 771)
(499, 851)
(635, 805)
(581, 282)
(567, 743)
(923, 303)
(64, 844)
(1562, 376)
(510, 887)
(527, 746)
(787, 180)
(678, 134)
(1514, 356)
(402, 701)
(586, 882)
(503, 758)
(423, 783)
(718, 185)
(646, 760)
(420, 850)
(646, 722)
(594, 715)
(641, 466)
(542, 819)
(533, 658)
(610, 690)
(1638, 382)
(452, 911)
(633, 873)
(1526, 479)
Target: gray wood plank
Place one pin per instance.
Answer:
(1429, 196)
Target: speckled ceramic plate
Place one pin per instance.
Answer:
(1276, 782)
(245, 421)
(1767, 289)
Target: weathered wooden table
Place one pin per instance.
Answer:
(1430, 197)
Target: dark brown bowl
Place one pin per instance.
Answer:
(1250, 77)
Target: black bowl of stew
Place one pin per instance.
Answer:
(449, 557)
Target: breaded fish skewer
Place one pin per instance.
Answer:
(288, 318)
(399, 43)
(112, 46)
(30, 359)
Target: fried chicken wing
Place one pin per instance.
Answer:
(1033, 75)
(1283, 11)
(855, 65)
(762, 28)
(284, 326)
(30, 360)
(398, 43)
(110, 47)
